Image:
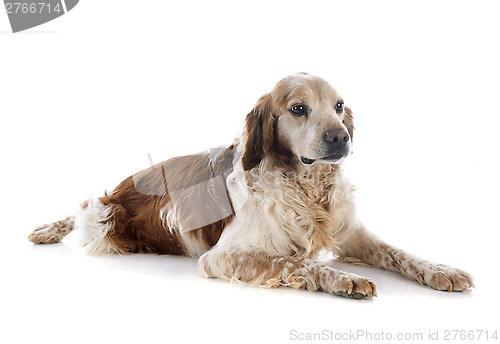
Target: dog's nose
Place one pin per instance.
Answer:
(337, 136)
(337, 142)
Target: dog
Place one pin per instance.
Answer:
(261, 210)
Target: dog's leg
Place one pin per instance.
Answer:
(52, 233)
(366, 248)
(262, 269)
(94, 219)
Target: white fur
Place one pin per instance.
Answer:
(93, 225)
(273, 216)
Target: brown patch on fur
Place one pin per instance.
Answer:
(136, 226)
(136, 206)
(349, 121)
(261, 137)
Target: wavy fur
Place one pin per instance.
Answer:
(261, 210)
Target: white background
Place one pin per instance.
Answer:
(84, 98)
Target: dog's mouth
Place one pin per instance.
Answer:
(330, 158)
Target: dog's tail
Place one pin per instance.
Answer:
(53, 232)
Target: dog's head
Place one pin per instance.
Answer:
(303, 120)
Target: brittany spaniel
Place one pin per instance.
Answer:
(260, 210)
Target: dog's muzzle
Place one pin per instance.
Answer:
(337, 146)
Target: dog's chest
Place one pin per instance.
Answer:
(303, 211)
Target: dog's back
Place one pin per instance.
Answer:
(179, 206)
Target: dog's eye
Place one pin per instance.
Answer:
(339, 107)
(298, 110)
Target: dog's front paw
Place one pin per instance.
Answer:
(442, 277)
(351, 285)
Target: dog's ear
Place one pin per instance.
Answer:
(259, 133)
(349, 121)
